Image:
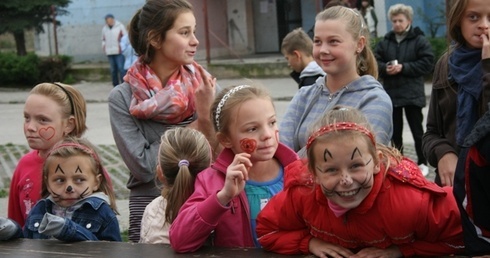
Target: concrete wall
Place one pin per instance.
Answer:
(80, 33)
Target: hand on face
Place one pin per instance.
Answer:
(236, 177)
(71, 179)
(485, 51)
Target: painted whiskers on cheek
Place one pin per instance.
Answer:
(327, 192)
(84, 193)
(366, 184)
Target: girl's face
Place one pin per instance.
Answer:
(253, 129)
(400, 23)
(334, 48)
(475, 22)
(71, 179)
(44, 124)
(344, 169)
(180, 44)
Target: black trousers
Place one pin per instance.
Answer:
(415, 119)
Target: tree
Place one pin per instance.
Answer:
(16, 16)
(434, 22)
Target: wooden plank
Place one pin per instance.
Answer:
(52, 248)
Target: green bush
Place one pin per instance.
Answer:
(29, 70)
(439, 46)
(20, 70)
(54, 69)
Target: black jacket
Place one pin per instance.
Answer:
(416, 55)
(471, 188)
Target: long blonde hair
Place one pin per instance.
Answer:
(354, 22)
(184, 152)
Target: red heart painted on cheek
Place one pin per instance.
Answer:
(248, 145)
(47, 133)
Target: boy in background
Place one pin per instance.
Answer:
(297, 49)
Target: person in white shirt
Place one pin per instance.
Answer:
(112, 33)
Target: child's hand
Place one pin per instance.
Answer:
(51, 225)
(323, 249)
(236, 177)
(485, 51)
(8, 229)
(390, 252)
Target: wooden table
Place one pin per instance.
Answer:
(30, 248)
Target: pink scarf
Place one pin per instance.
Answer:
(169, 104)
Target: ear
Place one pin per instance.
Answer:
(154, 40)
(361, 44)
(160, 176)
(98, 180)
(377, 167)
(297, 54)
(224, 140)
(70, 126)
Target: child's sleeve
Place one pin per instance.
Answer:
(9, 229)
(280, 229)
(197, 219)
(438, 230)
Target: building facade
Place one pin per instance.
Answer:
(236, 28)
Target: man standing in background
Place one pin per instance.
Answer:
(112, 32)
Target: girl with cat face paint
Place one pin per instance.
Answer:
(78, 203)
(358, 198)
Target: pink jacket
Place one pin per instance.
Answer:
(202, 218)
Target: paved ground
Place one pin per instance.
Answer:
(13, 144)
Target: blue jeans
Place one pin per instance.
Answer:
(117, 68)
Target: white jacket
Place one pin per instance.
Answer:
(154, 230)
(111, 38)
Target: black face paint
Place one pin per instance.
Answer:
(325, 152)
(356, 150)
(58, 168)
(84, 193)
(69, 189)
(78, 170)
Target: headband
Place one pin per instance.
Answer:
(68, 95)
(82, 148)
(223, 101)
(341, 126)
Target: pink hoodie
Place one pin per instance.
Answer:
(202, 219)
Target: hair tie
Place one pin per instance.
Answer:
(223, 101)
(183, 162)
(68, 95)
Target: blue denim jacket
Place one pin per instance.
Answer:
(94, 220)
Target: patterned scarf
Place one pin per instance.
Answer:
(169, 104)
(465, 68)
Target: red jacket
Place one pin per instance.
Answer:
(202, 218)
(403, 209)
